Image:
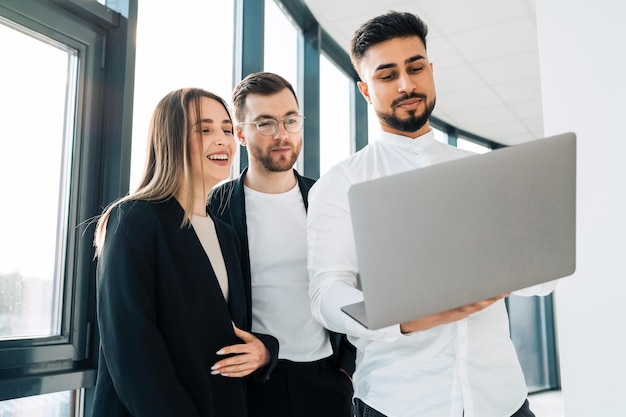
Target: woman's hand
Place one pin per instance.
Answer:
(247, 357)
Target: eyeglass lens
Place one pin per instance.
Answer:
(269, 127)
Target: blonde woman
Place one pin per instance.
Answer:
(171, 303)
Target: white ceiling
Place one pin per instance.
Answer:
(484, 53)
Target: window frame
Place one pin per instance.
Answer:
(98, 171)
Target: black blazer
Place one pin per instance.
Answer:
(227, 202)
(162, 317)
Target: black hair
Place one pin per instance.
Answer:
(382, 28)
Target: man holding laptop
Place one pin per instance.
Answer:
(457, 363)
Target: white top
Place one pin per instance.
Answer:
(205, 229)
(468, 366)
(280, 304)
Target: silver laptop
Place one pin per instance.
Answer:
(451, 234)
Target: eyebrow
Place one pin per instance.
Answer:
(406, 61)
(227, 121)
(267, 116)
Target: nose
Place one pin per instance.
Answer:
(405, 83)
(281, 132)
(222, 139)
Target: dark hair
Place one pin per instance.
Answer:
(382, 28)
(263, 83)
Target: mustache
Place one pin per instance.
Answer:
(282, 145)
(406, 97)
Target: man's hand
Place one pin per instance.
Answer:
(447, 317)
(247, 357)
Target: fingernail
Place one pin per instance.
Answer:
(214, 367)
(220, 352)
(214, 372)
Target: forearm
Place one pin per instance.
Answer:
(332, 290)
(332, 260)
(447, 317)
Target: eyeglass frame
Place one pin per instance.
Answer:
(278, 123)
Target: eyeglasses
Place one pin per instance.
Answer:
(269, 127)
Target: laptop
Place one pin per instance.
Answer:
(448, 235)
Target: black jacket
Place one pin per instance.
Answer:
(162, 317)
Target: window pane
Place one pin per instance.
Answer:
(439, 135)
(58, 404)
(280, 50)
(471, 146)
(531, 321)
(334, 115)
(120, 6)
(373, 125)
(37, 110)
(187, 43)
(280, 44)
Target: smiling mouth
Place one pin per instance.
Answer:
(218, 157)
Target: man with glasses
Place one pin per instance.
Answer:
(267, 207)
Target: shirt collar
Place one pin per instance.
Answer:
(421, 142)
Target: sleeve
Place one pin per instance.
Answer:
(332, 261)
(271, 344)
(132, 345)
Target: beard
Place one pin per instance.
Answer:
(414, 122)
(270, 163)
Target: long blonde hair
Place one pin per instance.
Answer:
(167, 155)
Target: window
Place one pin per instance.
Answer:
(36, 136)
(57, 404)
(440, 135)
(54, 140)
(280, 47)
(533, 334)
(471, 146)
(373, 125)
(195, 51)
(280, 44)
(334, 115)
(38, 108)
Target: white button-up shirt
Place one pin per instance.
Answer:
(469, 366)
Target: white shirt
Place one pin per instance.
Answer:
(276, 226)
(205, 230)
(469, 366)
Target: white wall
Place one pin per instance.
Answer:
(582, 48)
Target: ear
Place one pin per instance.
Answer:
(363, 88)
(240, 137)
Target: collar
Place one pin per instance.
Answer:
(419, 143)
